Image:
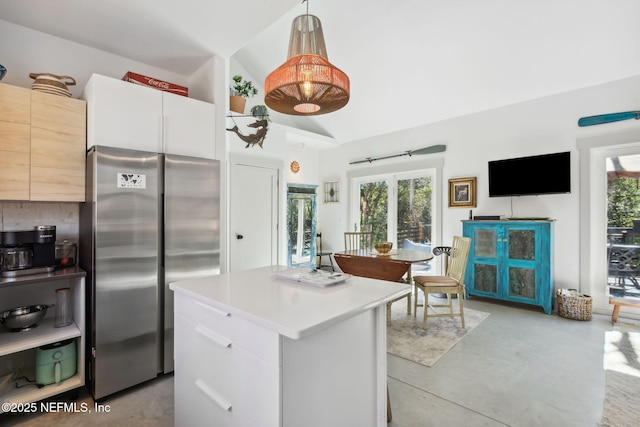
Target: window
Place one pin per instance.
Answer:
(399, 212)
(414, 207)
(400, 206)
(374, 206)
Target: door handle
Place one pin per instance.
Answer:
(239, 236)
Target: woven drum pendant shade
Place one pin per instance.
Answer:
(307, 84)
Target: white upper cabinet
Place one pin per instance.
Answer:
(189, 126)
(127, 115)
(123, 115)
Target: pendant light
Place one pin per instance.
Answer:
(307, 83)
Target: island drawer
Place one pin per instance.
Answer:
(226, 384)
(242, 333)
(196, 403)
(200, 312)
(212, 354)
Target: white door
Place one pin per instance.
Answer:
(253, 234)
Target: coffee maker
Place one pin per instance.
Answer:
(28, 251)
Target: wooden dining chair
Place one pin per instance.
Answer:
(356, 240)
(320, 253)
(445, 251)
(450, 283)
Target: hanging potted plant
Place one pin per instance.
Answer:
(260, 112)
(240, 91)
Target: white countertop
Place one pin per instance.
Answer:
(291, 309)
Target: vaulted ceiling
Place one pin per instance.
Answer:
(411, 62)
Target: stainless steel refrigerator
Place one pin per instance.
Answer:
(149, 219)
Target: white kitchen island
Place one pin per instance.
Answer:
(254, 350)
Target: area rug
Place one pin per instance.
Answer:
(622, 376)
(407, 339)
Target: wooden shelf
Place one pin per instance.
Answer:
(33, 393)
(44, 333)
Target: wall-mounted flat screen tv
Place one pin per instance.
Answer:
(528, 176)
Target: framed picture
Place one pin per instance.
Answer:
(462, 193)
(331, 191)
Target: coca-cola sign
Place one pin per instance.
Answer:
(155, 83)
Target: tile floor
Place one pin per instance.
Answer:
(520, 367)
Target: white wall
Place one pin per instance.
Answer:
(541, 126)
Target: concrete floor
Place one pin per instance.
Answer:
(519, 367)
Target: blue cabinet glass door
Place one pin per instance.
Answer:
(511, 261)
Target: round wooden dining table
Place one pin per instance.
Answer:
(392, 267)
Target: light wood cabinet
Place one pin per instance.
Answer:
(15, 143)
(58, 140)
(42, 149)
(126, 115)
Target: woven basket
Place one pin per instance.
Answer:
(576, 308)
(52, 84)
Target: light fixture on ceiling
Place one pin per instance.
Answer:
(307, 83)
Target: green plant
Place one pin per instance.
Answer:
(243, 88)
(623, 202)
(260, 112)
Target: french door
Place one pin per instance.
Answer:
(623, 224)
(397, 208)
(600, 234)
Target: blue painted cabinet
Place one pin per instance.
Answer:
(511, 260)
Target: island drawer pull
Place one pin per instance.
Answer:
(212, 336)
(213, 309)
(213, 395)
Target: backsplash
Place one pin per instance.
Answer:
(26, 215)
